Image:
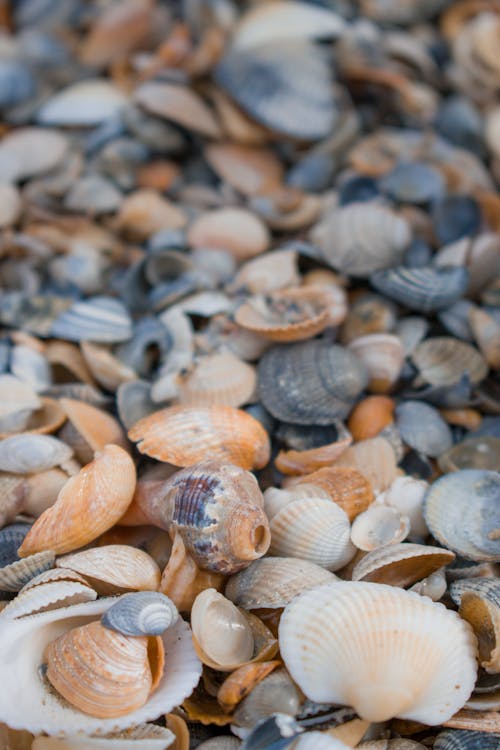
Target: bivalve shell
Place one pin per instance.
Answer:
(401, 564)
(114, 568)
(379, 526)
(383, 356)
(222, 633)
(466, 739)
(347, 487)
(370, 416)
(443, 360)
(424, 289)
(481, 609)
(27, 454)
(219, 379)
(422, 428)
(89, 429)
(142, 737)
(17, 574)
(47, 596)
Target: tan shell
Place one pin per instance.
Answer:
(217, 380)
(241, 682)
(67, 362)
(442, 361)
(43, 489)
(89, 429)
(114, 568)
(107, 369)
(49, 595)
(249, 169)
(481, 609)
(179, 728)
(383, 356)
(183, 435)
(179, 104)
(347, 487)
(308, 461)
(236, 230)
(401, 564)
(366, 315)
(13, 492)
(146, 212)
(266, 273)
(370, 416)
(375, 459)
(88, 504)
(116, 32)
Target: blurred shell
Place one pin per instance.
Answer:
(218, 379)
(26, 453)
(481, 609)
(40, 710)
(17, 401)
(88, 504)
(486, 332)
(318, 741)
(13, 491)
(472, 453)
(310, 383)
(462, 512)
(443, 360)
(17, 574)
(383, 356)
(67, 362)
(422, 428)
(406, 494)
(424, 289)
(401, 564)
(361, 238)
(99, 319)
(107, 369)
(133, 402)
(43, 489)
(272, 582)
(145, 212)
(466, 740)
(142, 613)
(347, 487)
(306, 461)
(374, 459)
(480, 256)
(276, 269)
(367, 314)
(359, 644)
(84, 103)
(276, 693)
(31, 367)
(378, 526)
(370, 416)
(178, 104)
(32, 151)
(183, 435)
(48, 418)
(242, 681)
(143, 736)
(249, 169)
(411, 331)
(114, 568)
(222, 633)
(48, 596)
(89, 429)
(236, 230)
(396, 744)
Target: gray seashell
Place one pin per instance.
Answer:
(11, 538)
(462, 511)
(93, 194)
(444, 361)
(83, 103)
(276, 733)
(17, 574)
(423, 289)
(153, 132)
(119, 160)
(99, 319)
(28, 453)
(487, 586)
(79, 392)
(456, 319)
(16, 398)
(31, 367)
(310, 383)
(286, 87)
(17, 83)
(465, 739)
(141, 613)
(33, 313)
(422, 428)
(412, 182)
(276, 693)
(150, 341)
(411, 331)
(133, 402)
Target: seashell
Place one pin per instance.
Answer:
(276, 693)
(469, 418)
(486, 332)
(242, 681)
(480, 256)
(454, 217)
(179, 728)
(272, 582)
(287, 208)
(26, 454)
(31, 367)
(396, 744)
(224, 742)
(443, 360)
(17, 402)
(115, 33)
(114, 568)
(142, 613)
(456, 319)
(481, 609)
(378, 526)
(47, 712)
(369, 313)
(288, 315)
(218, 380)
(335, 643)
(171, 276)
(250, 170)
(48, 596)
(318, 741)
(422, 428)
(461, 512)
(88, 504)
(93, 194)
(310, 383)
(89, 429)
(411, 331)
(83, 104)
(370, 416)
(406, 494)
(42, 491)
(360, 238)
(383, 356)
(178, 104)
(301, 107)
(107, 369)
(13, 492)
(235, 230)
(150, 336)
(434, 585)
(133, 402)
(48, 418)
(31, 151)
(312, 529)
(100, 319)
(54, 575)
(401, 564)
(374, 459)
(348, 488)
(473, 453)
(276, 269)
(182, 435)
(465, 740)
(14, 573)
(145, 212)
(148, 736)
(413, 182)
(306, 461)
(67, 362)
(425, 289)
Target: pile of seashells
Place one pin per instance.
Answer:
(249, 375)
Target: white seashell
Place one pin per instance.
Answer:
(31, 367)
(29, 703)
(26, 454)
(377, 526)
(312, 529)
(406, 494)
(384, 651)
(401, 564)
(318, 741)
(142, 737)
(383, 356)
(16, 396)
(434, 586)
(48, 596)
(275, 499)
(31, 151)
(221, 631)
(84, 103)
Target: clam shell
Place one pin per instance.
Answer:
(221, 631)
(48, 418)
(133, 402)
(272, 582)
(356, 644)
(466, 740)
(33, 151)
(310, 383)
(370, 416)
(443, 360)
(462, 512)
(88, 504)
(182, 435)
(378, 526)
(148, 736)
(43, 489)
(422, 428)
(178, 104)
(143, 613)
(90, 429)
(99, 319)
(348, 488)
(218, 379)
(107, 369)
(276, 269)
(26, 454)
(481, 609)
(411, 331)
(401, 564)
(84, 103)
(17, 574)
(423, 289)
(28, 638)
(48, 596)
(31, 367)
(276, 693)
(383, 356)
(236, 230)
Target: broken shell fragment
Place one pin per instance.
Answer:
(89, 429)
(378, 526)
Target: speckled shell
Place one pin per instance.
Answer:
(384, 651)
(347, 488)
(89, 429)
(422, 428)
(114, 568)
(401, 564)
(310, 383)
(423, 289)
(443, 360)
(183, 435)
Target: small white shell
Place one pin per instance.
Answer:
(377, 526)
(26, 454)
(318, 741)
(221, 631)
(406, 494)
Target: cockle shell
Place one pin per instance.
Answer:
(401, 564)
(47, 596)
(443, 360)
(99, 319)
(217, 379)
(142, 737)
(89, 429)
(383, 356)
(88, 504)
(16, 574)
(347, 487)
(183, 435)
(374, 458)
(465, 739)
(142, 613)
(114, 568)
(424, 289)
(26, 454)
(360, 643)
(276, 269)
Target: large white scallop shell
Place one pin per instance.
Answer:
(384, 651)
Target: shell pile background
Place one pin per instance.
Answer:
(249, 374)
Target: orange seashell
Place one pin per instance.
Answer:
(468, 418)
(184, 435)
(375, 459)
(236, 230)
(242, 681)
(347, 487)
(89, 503)
(178, 726)
(203, 708)
(159, 174)
(305, 462)
(370, 416)
(156, 659)
(89, 429)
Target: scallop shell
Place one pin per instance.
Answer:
(462, 512)
(183, 435)
(370, 416)
(378, 526)
(443, 360)
(217, 380)
(48, 596)
(423, 289)
(422, 428)
(401, 564)
(26, 454)
(385, 651)
(361, 238)
(466, 740)
(88, 504)
(147, 736)
(374, 458)
(17, 574)
(276, 269)
(383, 356)
(348, 488)
(89, 429)
(40, 710)
(142, 613)
(272, 582)
(114, 568)
(99, 319)
(310, 383)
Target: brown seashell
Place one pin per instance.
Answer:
(219, 379)
(346, 486)
(89, 429)
(88, 504)
(107, 369)
(288, 315)
(117, 31)
(370, 416)
(401, 564)
(241, 682)
(468, 418)
(183, 435)
(238, 126)
(375, 459)
(250, 170)
(305, 462)
(203, 708)
(99, 671)
(236, 230)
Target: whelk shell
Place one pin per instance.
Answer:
(217, 379)
(27, 454)
(360, 643)
(401, 564)
(142, 613)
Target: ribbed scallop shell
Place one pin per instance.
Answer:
(17, 574)
(384, 651)
(401, 564)
(142, 613)
(183, 435)
(422, 428)
(89, 503)
(35, 706)
(481, 586)
(422, 289)
(383, 356)
(443, 360)
(347, 487)
(26, 454)
(217, 379)
(89, 429)
(114, 568)
(466, 740)
(312, 529)
(462, 512)
(361, 238)
(481, 608)
(47, 596)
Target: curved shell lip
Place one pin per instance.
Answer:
(45, 712)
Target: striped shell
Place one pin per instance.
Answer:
(401, 564)
(422, 289)
(443, 360)
(114, 568)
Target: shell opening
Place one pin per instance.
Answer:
(261, 538)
